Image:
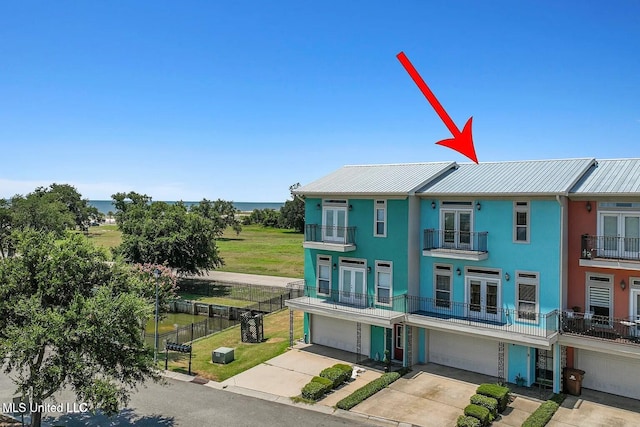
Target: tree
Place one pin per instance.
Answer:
(83, 213)
(221, 212)
(293, 211)
(161, 233)
(70, 319)
(6, 219)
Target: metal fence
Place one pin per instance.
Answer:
(239, 291)
(188, 333)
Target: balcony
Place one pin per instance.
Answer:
(610, 252)
(467, 245)
(330, 238)
(589, 331)
(351, 306)
(527, 328)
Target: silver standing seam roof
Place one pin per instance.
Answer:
(527, 178)
(617, 177)
(391, 179)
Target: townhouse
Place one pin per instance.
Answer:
(512, 269)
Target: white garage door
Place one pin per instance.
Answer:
(611, 374)
(463, 352)
(338, 333)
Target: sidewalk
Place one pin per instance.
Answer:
(253, 279)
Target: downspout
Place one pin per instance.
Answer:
(556, 347)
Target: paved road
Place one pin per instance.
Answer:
(188, 404)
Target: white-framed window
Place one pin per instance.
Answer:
(384, 282)
(324, 275)
(619, 230)
(443, 279)
(634, 299)
(521, 222)
(456, 223)
(380, 218)
(599, 294)
(334, 221)
(527, 299)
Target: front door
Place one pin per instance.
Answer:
(352, 286)
(483, 299)
(398, 342)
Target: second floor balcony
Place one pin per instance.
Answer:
(468, 245)
(332, 238)
(590, 331)
(610, 251)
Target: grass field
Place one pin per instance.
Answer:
(169, 321)
(215, 300)
(247, 355)
(257, 250)
(261, 250)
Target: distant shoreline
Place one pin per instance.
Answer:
(104, 206)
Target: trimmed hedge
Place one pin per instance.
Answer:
(367, 390)
(498, 392)
(316, 388)
(344, 367)
(479, 412)
(336, 375)
(465, 421)
(488, 402)
(544, 413)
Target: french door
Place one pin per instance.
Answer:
(456, 229)
(334, 224)
(483, 298)
(353, 286)
(621, 235)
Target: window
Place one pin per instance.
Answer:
(456, 224)
(443, 278)
(527, 295)
(334, 221)
(384, 281)
(620, 233)
(380, 218)
(521, 222)
(324, 275)
(599, 296)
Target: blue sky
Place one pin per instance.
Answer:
(238, 100)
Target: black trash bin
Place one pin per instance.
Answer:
(573, 381)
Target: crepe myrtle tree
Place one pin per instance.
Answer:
(69, 318)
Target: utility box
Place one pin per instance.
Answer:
(222, 355)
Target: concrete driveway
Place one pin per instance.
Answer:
(595, 409)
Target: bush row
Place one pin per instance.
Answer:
(328, 379)
(478, 412)
(498, 392)
(367, 390)
(544, 413)
(466, 421)
(489, 400)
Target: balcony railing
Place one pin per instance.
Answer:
(455, 240)
(622, 330)
(330, 234)
(352, 302)
(492, 317)
(610, 247)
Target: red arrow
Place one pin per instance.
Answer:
(462, 142)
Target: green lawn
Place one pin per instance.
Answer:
(247, 355)
(257, 250)
(169, 321)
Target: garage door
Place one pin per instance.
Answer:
(611, 374)
(339, 333)
(463, 352)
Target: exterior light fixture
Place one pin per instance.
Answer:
(623, 284)
(350, 207)
(433, 204)
(368, 269)
(335, 265)
(588, 206)
(507, 277)
(458, 271)
(478, 206)
(318, 206)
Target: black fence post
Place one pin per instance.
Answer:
(166, 357)
(191, 331)
(177, 339)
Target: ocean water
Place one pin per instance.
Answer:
(105, 206)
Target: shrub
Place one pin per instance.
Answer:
(404, 371)
(316, 388)
(336, 375)
(488, 402)
(544, 413)
(367, 390)
(465, 421)
(498, 392)
(479, 412)
(347, 368)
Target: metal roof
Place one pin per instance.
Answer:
(531, 178)
(392, 179)
(616, 177)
